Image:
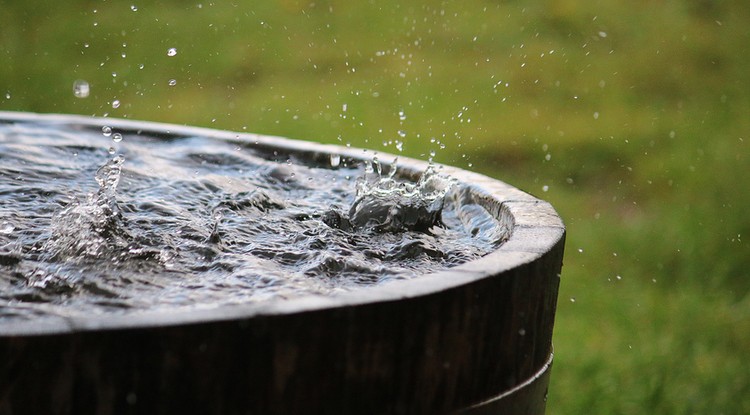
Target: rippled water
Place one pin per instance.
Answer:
(164, 222)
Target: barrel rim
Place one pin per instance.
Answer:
(534, 229)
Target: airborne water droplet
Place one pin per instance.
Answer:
(80, 89)
(335, 160)
(106, 131)
(134, 8)
(116, 137)
(171, 51)
(172, 82)
(116, 104)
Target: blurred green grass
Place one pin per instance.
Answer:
(632, 118)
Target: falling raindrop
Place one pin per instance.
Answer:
(80, 89)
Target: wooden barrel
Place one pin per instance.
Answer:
(473, 339)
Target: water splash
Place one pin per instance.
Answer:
(385, 204)
(93, 227)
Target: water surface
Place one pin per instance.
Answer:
(89, 224)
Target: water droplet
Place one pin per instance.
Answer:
(401, 115)
(580, 250)
(111, 150)
(596, 115)
(335, 160)
(401, 133)
(106, 131)
(171, 51)
(80, 89)
(619, 277)
(116, 103)
(602, 34)
(522, 332)
(545, 188)
(172, 82)
(7, 95)
(134, 8)
(7, 228)
(116, 137)
(572, 299)
(400, 146)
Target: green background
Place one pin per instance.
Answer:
(631, 117)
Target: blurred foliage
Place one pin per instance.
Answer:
(630, 117)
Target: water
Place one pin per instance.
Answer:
(177, 222)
